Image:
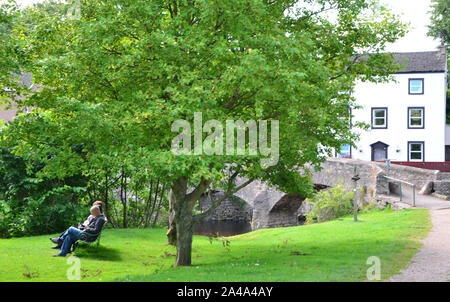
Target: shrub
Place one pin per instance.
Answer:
(32, 206)
(330, 204)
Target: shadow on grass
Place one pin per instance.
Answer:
(99, 253)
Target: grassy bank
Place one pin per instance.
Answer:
(332, 251)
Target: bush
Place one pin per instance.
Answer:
(330, 204)
(32, 206)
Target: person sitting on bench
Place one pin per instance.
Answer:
(81, 226)
(73, 234)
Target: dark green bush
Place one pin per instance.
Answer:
(32, 206)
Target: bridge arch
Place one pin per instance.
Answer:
(272, 208)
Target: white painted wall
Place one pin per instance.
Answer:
(395, 97)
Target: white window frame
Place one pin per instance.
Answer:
(422, 151)
(422, 118)
(422, 89)
(375, 118)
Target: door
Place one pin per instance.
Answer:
(379, 154)
(379, 151)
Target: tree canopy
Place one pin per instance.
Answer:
(440, 20)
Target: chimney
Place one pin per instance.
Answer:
(442, 48)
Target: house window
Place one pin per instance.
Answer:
(345, 152)
(416, 151)
(416, 118)
(379, 118)
(416, 86)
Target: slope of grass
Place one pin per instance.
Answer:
(332, 251)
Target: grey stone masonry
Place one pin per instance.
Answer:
(426, 181)
(232, 208)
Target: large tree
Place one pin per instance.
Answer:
(118, 77)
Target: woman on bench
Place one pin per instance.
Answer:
(73, 234)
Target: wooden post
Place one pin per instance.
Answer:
(355, 179)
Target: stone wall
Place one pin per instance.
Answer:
(342, 170)
(417, 176)
(232, 208)
(442, 188)
(429, 180)
(262, 205)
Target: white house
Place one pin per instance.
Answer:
(407, 117)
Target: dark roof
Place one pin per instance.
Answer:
(421, 62)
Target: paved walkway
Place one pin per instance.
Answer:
(432, 262)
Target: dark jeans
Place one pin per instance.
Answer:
(69, 237)
(64, 234)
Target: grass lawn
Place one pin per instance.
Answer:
(331, 251)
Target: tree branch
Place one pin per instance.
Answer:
(230, 191)
(198, 191)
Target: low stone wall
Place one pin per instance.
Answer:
(342, 170)
(442, 188)
(419, 177)
(441, 185)
(429, 180)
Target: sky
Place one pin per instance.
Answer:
(415, 12)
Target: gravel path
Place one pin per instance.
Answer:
(432, 262)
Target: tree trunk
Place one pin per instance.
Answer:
(181, 217)
(184, 227)
(172, 232)
(181, 221)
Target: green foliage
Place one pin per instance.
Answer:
(330, 204)
(440, 20)
(133, 196)
(31, 206)
(118, 77)
(440, 26)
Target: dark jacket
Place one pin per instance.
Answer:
(95, 227)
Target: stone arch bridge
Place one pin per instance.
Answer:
(268, 207)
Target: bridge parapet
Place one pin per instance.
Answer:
(336, 171)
